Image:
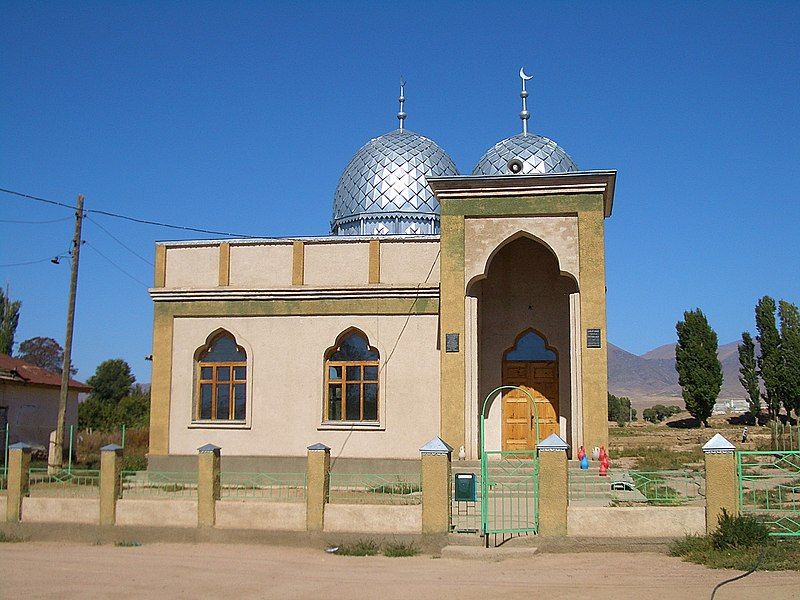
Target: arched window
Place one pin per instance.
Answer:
(351, 379)
(530, 347)
(222, 381)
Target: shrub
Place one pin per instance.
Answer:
(360, 548)
(398, 549)
(742, 531)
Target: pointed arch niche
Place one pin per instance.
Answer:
(521, 308)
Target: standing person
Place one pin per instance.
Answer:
(744, 435)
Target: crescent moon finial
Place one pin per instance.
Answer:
(524, 114)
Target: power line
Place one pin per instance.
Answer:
(30, 262)
(121, 243)
(35, 222)
(129, 218)
(116, 266)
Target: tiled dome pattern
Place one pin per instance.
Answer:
(383, 190)
(537, 153)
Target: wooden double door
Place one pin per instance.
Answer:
(540, 379)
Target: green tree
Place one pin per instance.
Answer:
(9, 319)
(790, 356)
(649, 414)
(748, 376)
(111, 381)
(699, 371)
(619, 410)
(769, 361)
(44, 352)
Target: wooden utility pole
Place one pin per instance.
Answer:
(56, 458)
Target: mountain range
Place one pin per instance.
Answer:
(651, 377)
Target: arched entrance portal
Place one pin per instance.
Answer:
(522, 332)
(532, 366)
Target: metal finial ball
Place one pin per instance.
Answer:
(523, 94)
(401, 115)
(524, 114)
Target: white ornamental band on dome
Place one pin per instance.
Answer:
(384, 189)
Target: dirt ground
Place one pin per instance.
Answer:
(161, 570)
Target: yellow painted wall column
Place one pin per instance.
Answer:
(208, 484)
(110, 467)
(436, 486)
(19, 461)
(318, 473)
(452, 323)
(224, 263)
(553, 486)
(160, 389)
(721, 484)
(594, 361)
(298, 263)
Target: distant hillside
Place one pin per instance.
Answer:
(653, 373)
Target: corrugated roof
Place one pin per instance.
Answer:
(18, 370)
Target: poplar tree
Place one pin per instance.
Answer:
(770, 360)
(748, 376)
(699, 371)
(790, 356)
(9, 318)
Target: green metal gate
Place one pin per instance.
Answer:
(769, 489)
(509, 484)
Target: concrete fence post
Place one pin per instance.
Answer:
(318, 482)
(19, 462)
(437, 485)
(722, 489)
(110, 486)
(553, 486)
(208, 484)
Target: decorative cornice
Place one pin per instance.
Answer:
(436, 446)
(294, 293)
(552, 443)
(499, 186)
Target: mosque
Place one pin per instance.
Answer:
(432, 290)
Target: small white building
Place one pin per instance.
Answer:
(29, 402)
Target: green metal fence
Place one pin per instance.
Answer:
(669, 488)
(76, 483)
(375, 488)
(769, 489)
(509, 492)
(269, 487)
(158, 484)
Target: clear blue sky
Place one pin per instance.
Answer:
(241, 116)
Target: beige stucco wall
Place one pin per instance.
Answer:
(635, 521)
(337, 264)
(366, 518)
(285, 360)
(156, 513)
(409, 262)
(192, 266)
(261, 265)
(33, 412)
(275, 516)
(482, 237)
(60, 510)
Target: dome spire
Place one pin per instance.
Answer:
(401, 115)
(524, 114)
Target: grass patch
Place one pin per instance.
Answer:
(127, 544)
(398, 549)
(6, 538)
(654, 458)
(779, 555)
(360, 548)
(739, 542)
